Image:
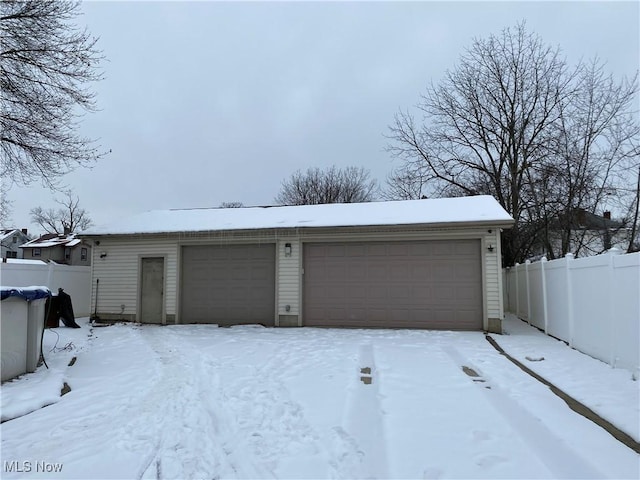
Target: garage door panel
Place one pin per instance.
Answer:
(376, 250)
(466, 294)
(466, 249)
(463, 270)
(358, 272)
(358, 294)
(336, 313)
(421, 291)
(336, 293)
(442, 249)
(228, 284)
(376, 272)
(262, 273)
(442, 270)
(376, 315)
(400, 249)
(357, 250)
(419, 249)
(399, 271)
(415, 284)
(335, 270)
(400, 292)
(238, 254)
(259, 293)
(376, 293)
(355, 314)
(420, 273)
(445, 294)
(235, 274)
(401, 315)
(236, 295)
(335, 250)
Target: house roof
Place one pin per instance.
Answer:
(25, 261)
(7, 232)
(53, 240)
(582, 218)
(462, 210)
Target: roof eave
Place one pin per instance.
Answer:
(436, 225)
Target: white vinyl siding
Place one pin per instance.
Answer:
(288, 283)
(119, 274)
(492, 274)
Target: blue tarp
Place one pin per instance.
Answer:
(27, 293)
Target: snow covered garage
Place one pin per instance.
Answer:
(404, 264)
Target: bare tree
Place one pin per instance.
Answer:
(68, 219)
(46, 66)
(590, 149)
(512, 120)
(407, 182)
(231, 205)
(634, 235)
(333, 185)
(632, 204)
(5, 206)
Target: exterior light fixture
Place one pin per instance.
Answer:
(287, 249)
(490, 248)
(103, 254)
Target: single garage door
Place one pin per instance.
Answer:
(228, 284)
(416, 284)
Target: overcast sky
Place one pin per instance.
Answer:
(207, 102)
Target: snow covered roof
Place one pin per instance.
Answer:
(53, 240)
(6, 233)
(479, 209)
(25, 261)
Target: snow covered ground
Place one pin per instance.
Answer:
(250, 402)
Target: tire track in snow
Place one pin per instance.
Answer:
(562, 461)
(360, 448)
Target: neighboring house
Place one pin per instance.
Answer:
(403, 264)
(11, 239)
(59, 248)
(590, 234)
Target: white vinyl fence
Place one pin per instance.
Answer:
(592, 303)
(76, 281)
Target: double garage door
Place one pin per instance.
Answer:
(413, 284)
(426, 284)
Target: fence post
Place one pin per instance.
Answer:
(526, 276)
(568, 258)
(517, 290)
(543, 262)
(505, 290)
(613, 359)
(50, 277)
